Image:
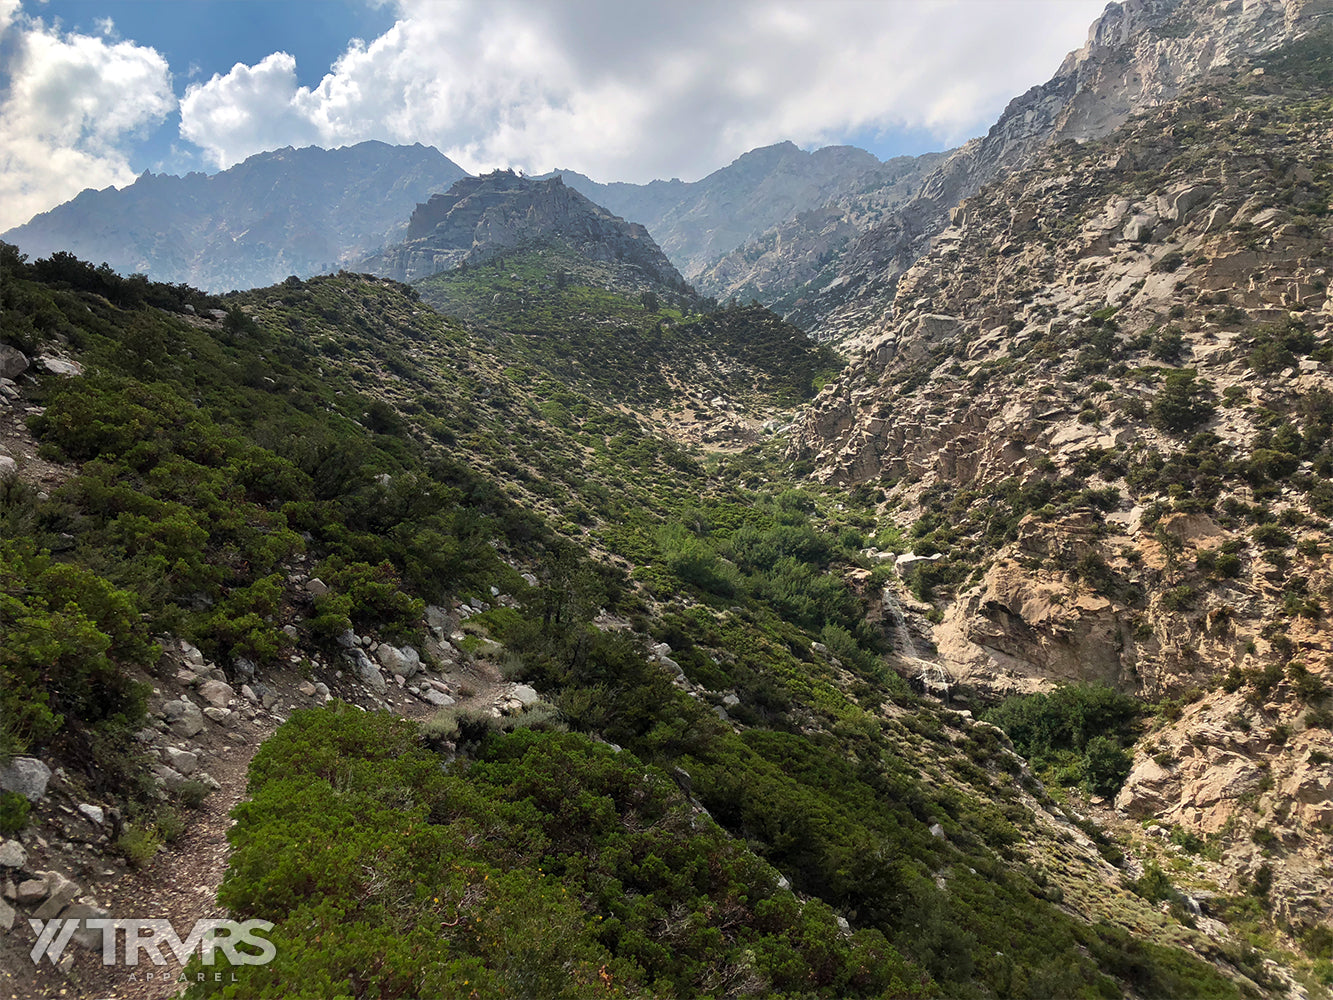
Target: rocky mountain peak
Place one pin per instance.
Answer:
(479, 217)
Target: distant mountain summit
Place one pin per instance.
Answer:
(480, 217)
(697, 222)
(290, 211)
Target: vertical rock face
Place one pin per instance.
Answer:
(481, 216)
(1139, 54)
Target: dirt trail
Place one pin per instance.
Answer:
(180, 884)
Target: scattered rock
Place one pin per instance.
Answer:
(307, 689)
(525, 695)
(7, 915)
(316, 587)
(438, 698)
(60, 892)
(222, 716)
(94, 813)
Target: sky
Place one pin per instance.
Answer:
(94, 92)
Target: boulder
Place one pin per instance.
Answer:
(222, 716)
(367, 671)
(13, 362)
(12, 855)
(193, 657)
(7, 916)
(404, 662)
(85, 936)
(1139, 228)
(9, 469)
(316, 587)
(27, 776)
(94, 813)
(33, 890)
(170, 778)
(184, 717)
(60, 366)
(60, 892)
(182, 760)
(438, 698)
(525, 695)
(217, 693)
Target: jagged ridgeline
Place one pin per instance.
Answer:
(778, 815)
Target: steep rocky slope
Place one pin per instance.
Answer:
(1138, 54)
(480, 217)
(1105, 396)
(291, 211)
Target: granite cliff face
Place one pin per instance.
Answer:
(290, 211)
(1138, 54)
(480, 217)
(1104, 395)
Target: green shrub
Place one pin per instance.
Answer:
(1105, 766)
(1183, 403)
(138, 845)
(14, 809)
(192, 793)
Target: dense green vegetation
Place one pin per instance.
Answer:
(544, 865)
(413, 458)
(1077, 733)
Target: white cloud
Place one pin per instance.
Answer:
(70, 105)
(249, 109)
(627, 91)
